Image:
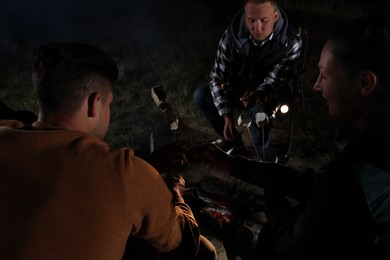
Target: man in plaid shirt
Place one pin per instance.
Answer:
(252, 70)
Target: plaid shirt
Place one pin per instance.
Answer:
(277, 74)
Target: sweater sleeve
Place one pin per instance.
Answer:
(189, 245)
(168, 225)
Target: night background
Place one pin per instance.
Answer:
(142, 24)
(170, 43)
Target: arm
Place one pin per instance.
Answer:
(220, 74)
(336, 204)
(219, 85)
(176, 184)
(279, 76)
(273, 177)
(161, 217)
(296, 232)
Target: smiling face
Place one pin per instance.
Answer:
(339, 87)
(260, 19)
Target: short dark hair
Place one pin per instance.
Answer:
(273, 2)
(364, 44)
(65, 73)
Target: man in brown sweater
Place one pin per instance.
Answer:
(64, 193)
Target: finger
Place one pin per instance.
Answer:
(245, 96)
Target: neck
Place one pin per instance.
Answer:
(60, 120)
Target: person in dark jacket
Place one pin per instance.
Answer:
(343, 209)
(252, 69)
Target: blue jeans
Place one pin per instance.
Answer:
(204, 102)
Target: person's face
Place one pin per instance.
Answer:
(260, 19)
(339, 87)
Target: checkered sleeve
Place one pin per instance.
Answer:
(280, 74)
(220, 74)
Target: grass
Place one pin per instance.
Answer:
(180, 62)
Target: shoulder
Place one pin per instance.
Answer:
(238, 27)
(285, 31)
(338, 171)
(12, 124)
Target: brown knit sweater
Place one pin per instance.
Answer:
(66, 195)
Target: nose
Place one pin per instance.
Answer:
(316, 86)
(257, 25)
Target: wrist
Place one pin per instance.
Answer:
(228, 117)
(176, 197)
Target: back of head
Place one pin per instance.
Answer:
(363, 44)
(65, 73)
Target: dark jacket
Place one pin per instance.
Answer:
(344, 209)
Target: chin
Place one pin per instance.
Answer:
(259, 38)
(334, 114)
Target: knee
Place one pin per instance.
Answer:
(197, 96)
(200, 94)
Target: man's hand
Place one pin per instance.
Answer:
(251, 98)
(175, 183)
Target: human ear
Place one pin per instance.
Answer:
(368, 82)
(277, 14)
(94, 99)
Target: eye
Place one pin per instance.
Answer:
(321, 77)
(251, 20)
